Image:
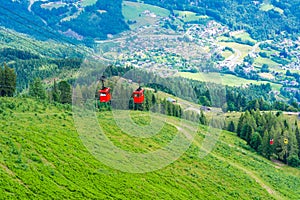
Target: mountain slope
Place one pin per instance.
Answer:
(76, 20)
(32, 58)
(41, 156)
(262, 24)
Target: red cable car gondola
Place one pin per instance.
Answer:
(138, 96)
(104, 93)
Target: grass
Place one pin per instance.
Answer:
(52, 5)
(225, 79)
(188, 16)
(267, 76)
(222, 38)
(260, 61)
(273, 66)
(244, 49)
(85, 3)
(284, 70)
(267, 7)
(133, 11)
(41, 156)
(226, 54)
(245, 36)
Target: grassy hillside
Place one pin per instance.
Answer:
(41, 156)
(226, 79)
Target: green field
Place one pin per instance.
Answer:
(225, 79)
(226, 54)
(267, 76)
(267, 7)
(134, 11)
(222, 38)
(260, 61)
(42, 157)
(245, 36)
(88, 2)
(242, 48)
(188, 16)
(52, 5)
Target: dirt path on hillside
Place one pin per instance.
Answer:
(252, 174)
(240, 167)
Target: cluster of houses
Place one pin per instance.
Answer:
(289, 83)
(155, 47)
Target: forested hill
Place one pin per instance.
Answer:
(32, 58)
(77, 20)
(96, 19)
(262, 19)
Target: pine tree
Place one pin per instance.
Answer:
(77, 95)
(2, 83)
(36, 89)
(8, 82)
(256, 105)
(231, 126)
(148, 100)
(266, 148)
(247, 132)
(240, 125)
(293, 160)
(169, 108)
(202, 118)
(178, 111)
(292, 145)
(255, 141)
(130, 104)
(153, 99)
(55, 92)
(250, 119)
(297, 133)
(65, 92)
(281, 149)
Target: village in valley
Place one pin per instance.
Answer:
(185, 43)
(171, 43)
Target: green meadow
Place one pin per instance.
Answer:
(134, 11)
(42, 157)
(225, 79)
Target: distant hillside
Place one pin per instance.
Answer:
(87, 20)
(14, 15)
(63, 19)
(32, 58)
(42, 156)
(262, 23)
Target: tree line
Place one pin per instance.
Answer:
(122, 100)
(228, 98)
(60, 92)
(28, 65)
(270, 134)
(207, 94)
(8, 81)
